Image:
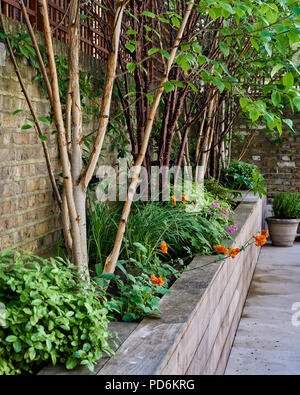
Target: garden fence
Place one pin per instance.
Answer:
(92, 39)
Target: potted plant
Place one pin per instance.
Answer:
(283, 226)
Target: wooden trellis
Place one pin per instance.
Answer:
(92, 40)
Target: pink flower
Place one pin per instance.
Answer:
(215, 205)
(231, 229)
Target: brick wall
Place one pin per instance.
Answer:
(29, 218)
(279, 164)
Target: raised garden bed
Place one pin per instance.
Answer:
(199, 318)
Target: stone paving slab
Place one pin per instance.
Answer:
(266, 341)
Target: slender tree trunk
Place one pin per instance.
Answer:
(107, 96)
(111, 261)
(62, 142)
(76, 137)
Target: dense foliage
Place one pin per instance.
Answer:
(49, 316)
(244, 176)
(186, 229)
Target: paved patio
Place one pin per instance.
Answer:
(266, 341)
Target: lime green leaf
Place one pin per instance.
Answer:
(153, 51)
(131, 66)
(296, 101)
(130, 47)
(275, 69)
(288, 80)
(224, 48)
(149, 14)
(131, 32)
(168, 86)
(45, 120)
(276, 98)
(175, 21)
(254, 44)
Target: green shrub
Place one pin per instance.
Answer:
(286, 205)
(49, 315)
(151, 223)
(244, 176)
(186, 233)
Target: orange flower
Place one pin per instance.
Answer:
(164, 248)
(234, 252)
(173, 200)
(265, 233)
(157, 280)
(221, 249)
(183, 198)
(260, 240)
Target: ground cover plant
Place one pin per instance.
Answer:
(50, 315)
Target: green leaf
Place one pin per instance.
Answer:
(131, 32)
(17, 112)
(31, 353)
(276, 98)
(48, 345)
(227, 7)
(275, 69)
(140, 247)
(183, 63)
(11, 339)
(193, 87)
(175, 21)
(289, 122)
(71, 363)
(131, 66)
(17, 346)
(165, 54)
(296, 101)
(153, 51)
(243, 102)
(268, 48)
(130, 47)
(26, 126)
(149, 14)
(224, 48)
(168, 86)
(219, 84)
(45, 120)
(254, 44)
(98, 268)
(271, 16)
(288, 80)
(149, 97)
(296, 10)
(42, 137)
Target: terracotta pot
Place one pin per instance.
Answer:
(283, 231)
